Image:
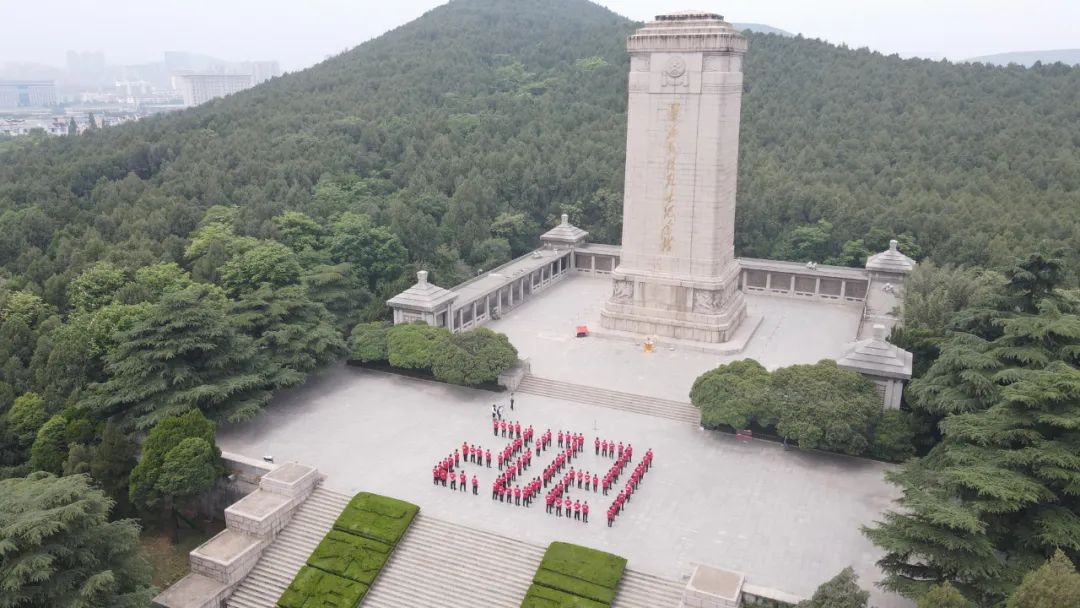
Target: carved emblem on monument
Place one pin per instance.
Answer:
(706, 301)
(623, 291)
(675, 72)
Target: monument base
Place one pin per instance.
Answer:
(708, 310)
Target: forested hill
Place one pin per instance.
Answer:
(470, 129)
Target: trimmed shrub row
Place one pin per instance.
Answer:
(470, 358)
(343, 567)
(575, 576)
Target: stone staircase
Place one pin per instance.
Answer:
(437, 564)
(446, 565)
(289, 551)
(628, 402)
(640, 590)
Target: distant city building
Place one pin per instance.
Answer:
(199, 88)
(261, 71)
(27, 93)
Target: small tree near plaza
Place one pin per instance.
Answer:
(173, 467)
(410, 346)
(1053, 585)
(369, 342)
(823, 406)
(734, 395)
(472, 357)
(841, 591)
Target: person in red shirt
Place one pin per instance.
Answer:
(567, 505)
(495, 426)
(585, 512)
(595, 482)
(453, 481)
(620, 449)
(465, 450)
(502, 428)
(517, 429)
(517, 495)
(580, 475)
(610, 516)
(461, 480)
(596, 444)
(475, 486)
(457, 459)
(487, 457)
(577, 510)
(560, 438)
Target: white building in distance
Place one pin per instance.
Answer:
(197, 89)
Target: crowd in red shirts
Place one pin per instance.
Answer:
(516, 457)
(511, 430)
(444, 471)
(631, 485)
(625, 454)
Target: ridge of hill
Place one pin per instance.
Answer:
(761, 28)
(1029, 58)
(469, 129)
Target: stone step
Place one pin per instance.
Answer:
(285, 556)
(639, 404)
(640, 590)
(440, 563)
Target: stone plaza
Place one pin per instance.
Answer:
(789, 519)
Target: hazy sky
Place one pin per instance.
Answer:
(301, 32)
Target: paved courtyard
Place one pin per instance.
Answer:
(791, 331)
(790, 520)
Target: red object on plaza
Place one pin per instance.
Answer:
(744, 435)
(582, 331)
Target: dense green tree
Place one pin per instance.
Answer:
(60, 549)
(188, 354)
(374, 252)
(50, 446)
(369, 341)
(841, 591)
(21, 424)
(338, 288)
(96, 287)
(472, 357)
(823, 406)
(943, 596)
(893, 436)
(111, 464)
(296, 334)
(410, 346)
(180, 460)
(269, 262)
(298, 231)
(1053, 585)
(998, 492)
(734, 395)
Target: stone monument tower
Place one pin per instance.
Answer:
(678, 275)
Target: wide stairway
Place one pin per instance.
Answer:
(290, 550)
(442, 564)
(628, 402)
(640, 590)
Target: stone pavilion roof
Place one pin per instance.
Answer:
(422, 296)
(890, 260)
(877, 357)
(565, 233)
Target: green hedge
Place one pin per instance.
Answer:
(376, 517)
(544, 597)
(589, 575)
(340, 570)
(577, 586)
(313, 588)
(353, 557)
